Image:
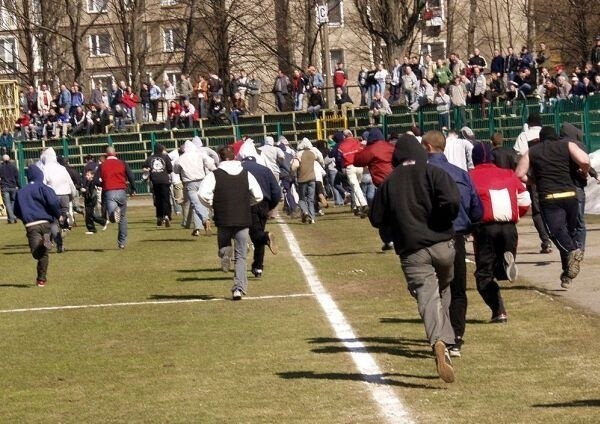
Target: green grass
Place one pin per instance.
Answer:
(269, 360)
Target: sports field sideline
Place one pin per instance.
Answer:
(150, 335)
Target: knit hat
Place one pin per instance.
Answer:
(482, 153)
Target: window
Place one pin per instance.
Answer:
(100, 45)
(97, 6)
(335, 13)
(36, 11)
(168, 2)
(173, 76)
(336, 56)
(172, 40)
(7, 17)
(8, 54)
(103, 81)
(437, 50)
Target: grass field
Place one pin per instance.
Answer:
(268, 360)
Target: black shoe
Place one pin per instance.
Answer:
(196, 233)
(159, 222)
(565, 282)
(499, 319)
(387, 246)
(364, 212)
(167, 222)
(257, 272)
(546, 249)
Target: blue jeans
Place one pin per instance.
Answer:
(241, 236)
(114, 198)
(298, 104)
(145, 111)
(368, 188)
(338, 196)
(199, 211)
(8, 196)
(580, 228)
(307, 198)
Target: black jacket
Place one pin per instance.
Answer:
(417, 201)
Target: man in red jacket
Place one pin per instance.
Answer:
(505, 199)
(114, 175)
(377, 156)
(347, 150)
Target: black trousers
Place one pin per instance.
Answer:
(538, 222)
(91, 218)
(153, 109)
(458, 288)
(490, 243)
(35, 237)
(560, 218)
(162, 200)
(260, 215)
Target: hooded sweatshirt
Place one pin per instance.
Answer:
(377, 156)
(569, 132)
(36, 203)
(248, 149)
(56, 176)
(193, 164)
(418, 201)
(207, 150)
(273, 156)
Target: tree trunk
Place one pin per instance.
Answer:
(509, 22)
(471, 26)
(450, 26)
(497, 19)
(284, 52)
(309, 36)
(529, 13)
(189, 38)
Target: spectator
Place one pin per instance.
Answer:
(299, 83)
(315, 102)
(340, 77)
(187, 114)
(238, 108)
(9, 184)
(173, 115)
(379, 107)
(442, 102)
(280, 89)
(155, 95)
(145, 102)
(498, 65)
(381, 78)
(363, 85)
(6, 142)
(343, 101)
(253, 93)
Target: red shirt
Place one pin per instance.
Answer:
(130, 100)
(114, 174)
(348, 149)
(503, 195)
(378, 157)
(174, 110)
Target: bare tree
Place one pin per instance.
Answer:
(472, 25)
(392, 21)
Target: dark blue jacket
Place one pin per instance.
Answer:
(36, 201)
(6, 141)
(9, 176)
(266, 180)
(470, 210)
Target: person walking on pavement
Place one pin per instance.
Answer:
(527, 138)
(419, 201)
(231, 191)
(551, 162)
(470, 212)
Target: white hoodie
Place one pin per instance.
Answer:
(207, 150)
(174, 156)
(272, 155)
(232, 167)
(56, 176)
(193, 164)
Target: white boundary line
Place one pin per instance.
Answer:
(390, 405)
(150, 302)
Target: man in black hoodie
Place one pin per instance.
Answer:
(419, 202)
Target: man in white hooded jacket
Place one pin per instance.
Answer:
(57, 177)
(231, 191)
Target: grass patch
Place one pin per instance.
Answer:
(268, 361)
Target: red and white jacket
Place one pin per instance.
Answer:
(348, 149)
(503, 195)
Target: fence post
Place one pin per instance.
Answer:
(279, 132)
(420, 118)
(384, 126)
(21, 159)
(109, 140)
(238, 132)
(491, 125)
(587, 125)
(153, 140)
(65, 144)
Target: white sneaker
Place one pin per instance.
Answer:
(89, 233)
(106, 225)
(236, 295)
(510, 266)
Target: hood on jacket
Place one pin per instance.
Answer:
(548, 133)
(35, 174)
(283, 140)
(48, 156)
(269, 141)
(467, 133)
(375, 134)
(232, 167)
(305, 144)
(61, 160)
(571, 132)
(248, 149)
(189, 146)
(338, 137)
(197, 142)
(408, 148)
(482, 153)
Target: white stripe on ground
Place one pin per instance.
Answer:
(150, 302)
(390, 405)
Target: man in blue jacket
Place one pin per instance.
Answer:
(37, 206)
(469, 212)
(260, 212)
